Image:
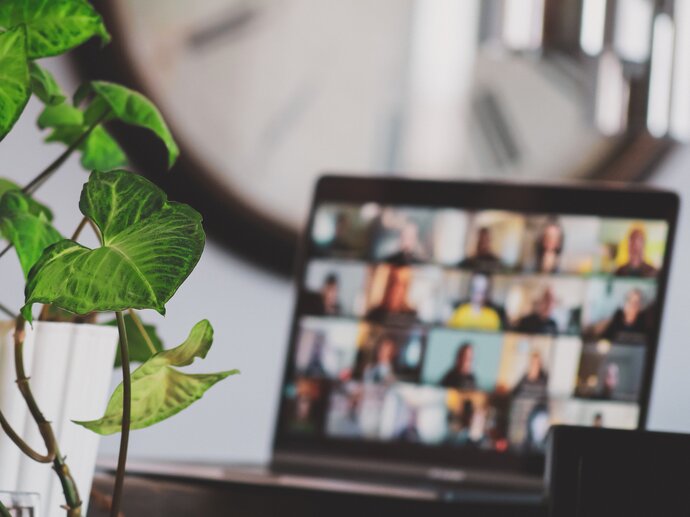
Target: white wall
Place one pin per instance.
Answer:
(670, 407)
(250, 311)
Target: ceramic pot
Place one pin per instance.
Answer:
(70, 367)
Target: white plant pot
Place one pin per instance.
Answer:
(70, 367)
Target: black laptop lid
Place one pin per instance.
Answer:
(452, 323)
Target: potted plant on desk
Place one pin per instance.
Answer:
(147, 245)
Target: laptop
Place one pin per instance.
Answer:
(441, 328)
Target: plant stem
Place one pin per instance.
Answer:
(44, 426)
(69, 486)
(35, 183)
(7, 311)
(84, 221)
(23, 446)
(142, 331)
(4, 512)
(5, 250)
(126, 415)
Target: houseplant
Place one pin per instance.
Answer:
(148, 244)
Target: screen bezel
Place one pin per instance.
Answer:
(592, 199)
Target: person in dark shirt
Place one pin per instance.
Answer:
(460, 375)
(484, 258)
(533, 383)
(408, 247)
(325, 302)
(409, 433)
(549, 247)
(629, 319)
(342, 241)
(609, 382)
(636, 265)
(539, 321)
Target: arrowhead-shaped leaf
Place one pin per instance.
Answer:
(53, 26)
(149, 247)
(44, 85)
(117, 102)
(139, 350)
(159, 391)
(99, 151)
(62, 115)
(26, 224)
(14, 78)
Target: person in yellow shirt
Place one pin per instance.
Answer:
(477, 313)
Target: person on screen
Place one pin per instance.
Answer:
(610, 381)
(540, 321)
(315, 367)
(549, 247)
(408, 246)
(538, 425)
(394, 307)
(347, 424)
(325, 302)
(382, 369)
(533, 383)
(305, 414)
(409, 433)
(484, 258)
(342, 240)
(459, 424)
(629, 319)
(598, 420)
(636, 265)
(478, 312)
(461, 374)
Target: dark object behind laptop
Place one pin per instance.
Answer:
(604, 472)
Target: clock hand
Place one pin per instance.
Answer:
(232, 22)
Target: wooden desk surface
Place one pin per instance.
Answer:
(147, 496)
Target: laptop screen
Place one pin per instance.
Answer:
(470, 330)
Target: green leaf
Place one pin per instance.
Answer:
(35, 207)
(26, 224)
(101, 152)
(44, 85)
(14, 78)
(6, 185)
(139, 350)
(159, 391)
(117, 102)
(149, 247)
(61, 115)
(53, 26)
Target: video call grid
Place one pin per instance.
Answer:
(645, 270)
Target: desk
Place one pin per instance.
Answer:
(147, 496)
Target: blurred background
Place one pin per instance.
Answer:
(265, 95)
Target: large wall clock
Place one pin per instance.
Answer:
(265, 95)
